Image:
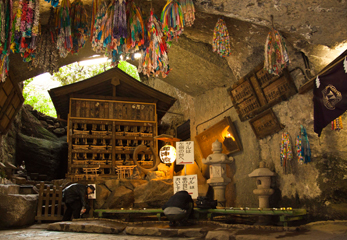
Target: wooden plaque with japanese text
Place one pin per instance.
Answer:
(259, 90)
(265, 124)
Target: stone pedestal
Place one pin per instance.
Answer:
(218, 178)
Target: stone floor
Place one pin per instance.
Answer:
(113, 229)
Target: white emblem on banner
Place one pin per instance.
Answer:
(317, 82)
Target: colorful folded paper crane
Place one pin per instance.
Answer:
(276, 56)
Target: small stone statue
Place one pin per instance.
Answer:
(22, 169)
(22, 172)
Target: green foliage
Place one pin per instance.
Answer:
(75, 72)
(67, 75)
(38, 100)
(129, 69)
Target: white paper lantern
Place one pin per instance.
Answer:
(167, 154)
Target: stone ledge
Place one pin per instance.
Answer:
(96, 226)
(166, 232)
(9, 189)
(217, 224)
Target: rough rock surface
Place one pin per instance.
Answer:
(125, 193)
(17, 210)
(98, 226)
(102, 193)
(9, 189)
(121, 197)
(42, 156)
(153, 194)
(166, 232)
(219, 235)
(114, 183)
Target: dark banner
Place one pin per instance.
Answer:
(330, 96)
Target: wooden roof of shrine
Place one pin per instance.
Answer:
(113, 84)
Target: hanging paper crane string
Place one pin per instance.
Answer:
(172, 19)
(221, 40)
(276, 56)
(188, 11)
(154, 59)
(80, 26)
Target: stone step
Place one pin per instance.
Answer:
(9, 189)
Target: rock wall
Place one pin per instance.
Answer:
(319, 186)
(8, 141)
(39, 140)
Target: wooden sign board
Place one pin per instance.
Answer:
(265, 124)
(109, 109)
(259, 90)
(225, 132)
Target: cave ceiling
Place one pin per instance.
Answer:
(312, 27)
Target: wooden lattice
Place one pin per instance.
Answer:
(50, 206)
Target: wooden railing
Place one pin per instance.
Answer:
(50, 206)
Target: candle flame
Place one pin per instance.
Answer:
(227, 134)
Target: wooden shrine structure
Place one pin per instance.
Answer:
(108, 116)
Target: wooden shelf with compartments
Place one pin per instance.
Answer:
(103, 134)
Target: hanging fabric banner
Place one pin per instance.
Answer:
(329, 96)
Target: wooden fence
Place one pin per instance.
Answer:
(50, 206)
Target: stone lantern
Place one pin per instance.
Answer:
(218, 179)
(263, 190)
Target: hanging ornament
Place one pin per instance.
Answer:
(221, 40)
(54, 3)
(26, 30)
(119, 32)
(46, 52)
(303, 146)
(63, 24)
(5, 37)
(286, 152)
(154, 58)
(337, 124)
(136, 28)
(79, 23)
(98, 26)
(188, 11)
(276, 56)
(172, 20)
